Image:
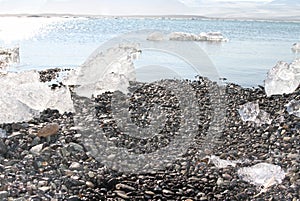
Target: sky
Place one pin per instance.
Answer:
(209, 8)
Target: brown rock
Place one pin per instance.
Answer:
(48, 130)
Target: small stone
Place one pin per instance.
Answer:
(149, 193)
(36, 149)
(122, 194)
(226, 176)
(73, 198)
(3, 148)
(75, 166)
(48, 130)
(286, 139)
(125, 187)
(168, 192)
(3, 195)
(91, 174)
(220, 181)
(293, 156)
(44, 188)
(89, 184)
(74, 147)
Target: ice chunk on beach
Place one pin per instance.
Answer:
(23, 96)
(221, 163)
(293, 108)
(284, 78)
(156, 36)
(262, 174)
(250, 112)
(296, 47)
(9, 56)
(109, 70)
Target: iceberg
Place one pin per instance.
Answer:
(250, 112)
(296, 47)
(293, 108)
(215, 37)
(284, 78)
(262, 174)
(210, 36)
(23, 97)
(103, 72)
(182, 36)
(156, 36)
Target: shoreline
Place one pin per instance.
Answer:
(60, 167)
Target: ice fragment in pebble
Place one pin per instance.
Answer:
(262, 174)
(2, 133)
(293, 108)
(156, 36)
(23, 97)
(48, 130)
(284, 78)
(250, 112)
(221, 163)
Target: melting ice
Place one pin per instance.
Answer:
(251, 112)
(293, 108)
(284, 78)
(109, 70)
(262, 174)
(23, 97)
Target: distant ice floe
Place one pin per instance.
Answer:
(250, 112)
(296, 47)
(210, 36)
(183, 36)
(284, 78)
(156, 36)
(293, 108)
(103, 72)
(23, 97)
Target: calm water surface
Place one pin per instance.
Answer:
(253, 48)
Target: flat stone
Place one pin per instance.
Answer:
(122, 194)
(3, 195)
(48, 130)
(36, 149)
(89, 184)
(3, 148)
(75, 166)
(125, 187)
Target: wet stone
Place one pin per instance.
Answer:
(48, 130)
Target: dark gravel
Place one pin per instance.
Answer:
(58, 167)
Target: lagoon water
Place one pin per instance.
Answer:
(253, 47)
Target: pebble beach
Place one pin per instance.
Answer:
(45, 158)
